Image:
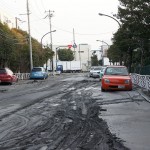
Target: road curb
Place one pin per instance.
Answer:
(144, 95)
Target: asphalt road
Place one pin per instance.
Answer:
(69, 112)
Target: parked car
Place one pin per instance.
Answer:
(95, 72)
(91, 71)
(116, 78)
(7, 76)
(102, 72)
(38, 73)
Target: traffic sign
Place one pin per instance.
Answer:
(69, 46)
(74, 45)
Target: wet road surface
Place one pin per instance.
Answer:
(66, 112)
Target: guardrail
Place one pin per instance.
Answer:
(23, 76)
(26, 76)
(141, 80)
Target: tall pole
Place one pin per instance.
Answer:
(80, 55)
(74, 45)
(50, 14)
(30, 43)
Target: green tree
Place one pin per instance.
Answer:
(112, 54)
(135, 17)
(94, 60)
(47, 54)
(14, 50)
(6, 45)
(65, 55)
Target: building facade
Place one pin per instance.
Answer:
(82, 53)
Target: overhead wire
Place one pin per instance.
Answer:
(58, 28)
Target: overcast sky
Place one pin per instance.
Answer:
(82, 15)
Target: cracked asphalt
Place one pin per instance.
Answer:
(69, 112)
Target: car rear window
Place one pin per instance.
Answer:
(97, 68)
(36, 69)
(116, 71)
(2, 71)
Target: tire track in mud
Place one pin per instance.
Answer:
(68, 120)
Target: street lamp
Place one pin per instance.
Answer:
(103, 42)
(102, 55)
(44, 36)
(111, 18)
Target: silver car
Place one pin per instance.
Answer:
(95, 71)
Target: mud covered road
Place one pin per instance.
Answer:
(60, 113)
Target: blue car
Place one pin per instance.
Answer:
(38, 73)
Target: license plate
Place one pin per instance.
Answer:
(121, 86)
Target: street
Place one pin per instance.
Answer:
(69, 112)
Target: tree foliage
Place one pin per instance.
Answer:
(14, 50)
(65, 55)
(94, 60)
(134, 34)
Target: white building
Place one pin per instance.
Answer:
(82, 53)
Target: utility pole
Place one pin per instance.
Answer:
(74, 45)
(50, 14)
(30, 43)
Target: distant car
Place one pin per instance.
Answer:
(102, 72)
(91, 71)
(7, 76)
(116, 78)
(38, 73)
(96, 71)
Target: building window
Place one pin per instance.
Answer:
(80, 51)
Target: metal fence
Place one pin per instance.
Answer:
(23, 76)
(141, 80)
(26, 76)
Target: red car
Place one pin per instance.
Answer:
(116, 78)
(7, 76)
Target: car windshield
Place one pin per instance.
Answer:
(102, 70)
(97, 68)
(36, 69)
(2, 71)
(116, 71)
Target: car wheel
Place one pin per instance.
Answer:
(102, 90)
